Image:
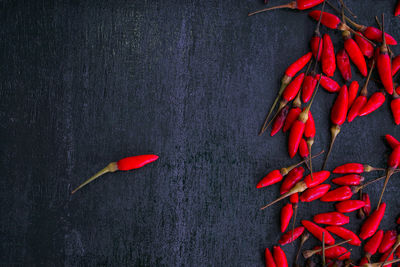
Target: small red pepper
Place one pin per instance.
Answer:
(303, 149)
(269, 260)
(298, 4)
(294, 199)
(388, 240)
(286, 215)
(355, 53)
(395, 65)
(314, 42)
(279, 120)
(370, 225)
(125, 164)
(338, 252)
(395, 107)
(280, 257)
(314, 193)
(355, 168)
(328, 56)
(349, 205)
(393, 143)
(384, 66)
(291, 118)
(331, 218)
(375, 34)
(372, 245)
(308, 87)
(344, 234)
(366, 47)
(291, 235)
(318, 231)
(367, 207)
(338, 194)
(329, 84)
(328, 20)
(293, 88)
(350, 179)
(353, 90)
(343, 64)
(291, 179)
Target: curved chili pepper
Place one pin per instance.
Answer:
(388, 240)
(279, 120)
(125, 164)
(298, 4)
(375, 34)
(328, 20)
(372, 245)
(291, 235)
(343, 64)
(314, 193)
(331, 218)
(318, 231)
(338, 194)
(280, 257)
(393, 143)
(293, 88)
(353, 90)
(350, 179)
(269, 260)
(395, 65)
(314, 42)
(393, 163)
(355, 168)
(308, 87)
(328, 84)
(291, 179)
(344, 234)
(338, 252)
(395, 107)
(397, 9)
(303, 149)
(328, 56)
(366, 48)
(370, 225)
(294, 199)
(367, 208)
(349, 205)
(286, 215)
(291, 118)
(385, 69)
(355, 53)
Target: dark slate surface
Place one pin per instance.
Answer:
(84, 84)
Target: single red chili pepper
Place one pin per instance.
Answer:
(388, 240)
(291, 235)
(367, 208)
(383, 64)
(331, 218)
(318, 231)
(298, 4)
(328, 56)
(395, 107)
(338, 116)
(366, 48)
(372, 245)
(279, 120)
(343, 64)
(397, 9)
(125, 164)
(393, 143)
(269, 260)
(370, 225)
(319, 178)
(308, 87)
(338, 252)
(280, 257)
(314, 42)
(303, 149)
(395, 65)
(314, 193)
(344, 234)
(386, 257)
(355, 168)
(291, 118)
(361, 100)
(353, 90)
(338, 194)
(286, 215)
(393, 163)
(350, 179)
(329, 84)
(294, 199)
(349, 205)
(354, 53)
(291, 179)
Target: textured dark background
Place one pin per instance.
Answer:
(84, 84)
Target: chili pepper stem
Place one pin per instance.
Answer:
(309, 144)
(323, 249)
(335, 130)
(299, 187)
(112, 167)
(304, 238)
(309, 253)
(295, 206)
(291, 5)
(356, 189)
(378, 264)
(389, 173)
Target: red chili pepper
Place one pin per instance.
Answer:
(298, 4)
(279, 120)
(397, 9)
(314, 193)
(291, 235)
(293, 88)
(367, 208)
(269, 260)
(386, 257)
(294, 199)
(344, 234)
(372, 245)
(393, 143)
(337, 252)
(366, 47)
(331, 218)
(280, 257)
(395, 107)
(349, 205)
(286, 215)
(309, 131)
(353, 90)
(124, 164)
(338, 116)
(384, 66)
(393, 163)
(343, 64)
(370, 225)
(388, 240)
(355, 53)
(375, 34)
(361, 100)
(318, 231)
(328, 56)
(338, 194)
(303, 149)
(355, 168)
(291, 118)
(291, 179)
(350, 179)
(329, 84)
(314, 42)
(328, 20)
(395, 65)
(308, 87)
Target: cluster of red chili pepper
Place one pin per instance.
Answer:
(360, 48)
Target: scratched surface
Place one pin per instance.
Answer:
(84, 84)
